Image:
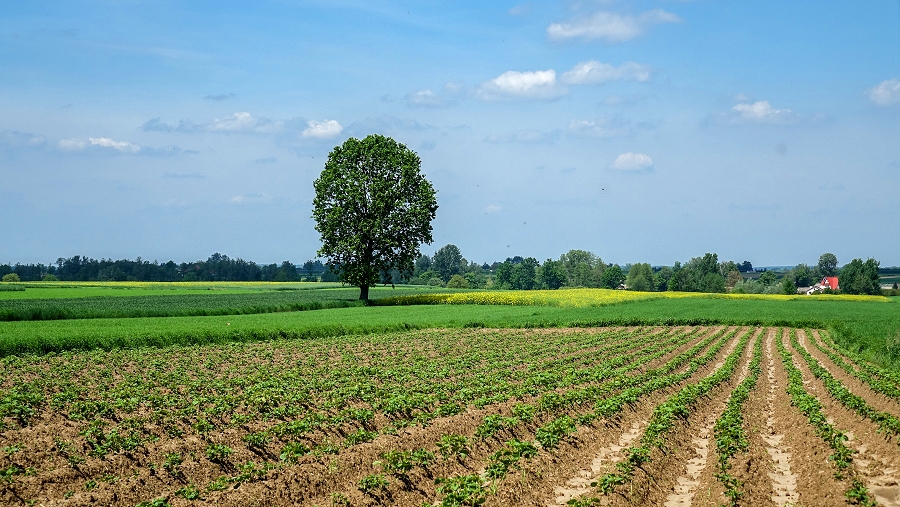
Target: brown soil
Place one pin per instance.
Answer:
(786, 464)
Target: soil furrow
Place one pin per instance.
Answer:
(575, 460)
(808, 455)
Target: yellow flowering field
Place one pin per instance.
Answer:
(583, 298)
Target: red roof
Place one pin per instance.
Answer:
(831, 282)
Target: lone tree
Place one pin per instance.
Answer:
(373, 208)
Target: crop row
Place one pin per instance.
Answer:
(562, 421)
(886, 422)
(811, 407)
(881, 380)
(729, 432)
(663, 420)
(312, 398)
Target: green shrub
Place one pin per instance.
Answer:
(11, 277)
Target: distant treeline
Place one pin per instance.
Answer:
(217, 267)
(448, 268)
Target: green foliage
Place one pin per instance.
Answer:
(507, 457)
(552, 433)
(10, 277)
(453, 445)
(373, 208)
(172, 464)
(612, 277)
(462, 491)
(447, 262)
(292, 451)
(858, 277)
(640, 278)
(827, 265)
(157, 502)
(788, 287)
(552, 274)
(373, 483)
(189, 492)
(457, 282)
(218, 453)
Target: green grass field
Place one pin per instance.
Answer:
(161, 300)
(870, 328)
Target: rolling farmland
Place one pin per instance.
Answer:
(675, 415)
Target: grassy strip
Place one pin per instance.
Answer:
(885, 421)
(729, 430)
(811, 407)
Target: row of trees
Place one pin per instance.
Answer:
(580, 268)
(217, 267)
(448, 268)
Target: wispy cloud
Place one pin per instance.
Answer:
(758, 112)
(632, 162)
(111, 146)
(541, 84)
(597, 128)
(609, 26)
(237, 122)
(886, 93)
(492, 208)
(16, 139)
(594, 72)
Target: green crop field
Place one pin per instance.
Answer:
(171, 300)
(868, 327)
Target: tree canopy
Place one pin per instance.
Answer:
(373, 209)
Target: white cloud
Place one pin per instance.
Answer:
(123, 146)
(632, 162)
(493, 208)
(594, 72)
(322, 129)
(599, 128)
(887, 93)
(609, 26)
(761, 112)
(541, 84)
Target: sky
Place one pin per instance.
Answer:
(642, 131)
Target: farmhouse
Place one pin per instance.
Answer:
(828, 282)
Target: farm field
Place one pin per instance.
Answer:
(618, 415)
(870, 327)
(147, 299)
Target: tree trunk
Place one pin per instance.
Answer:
(363, 292)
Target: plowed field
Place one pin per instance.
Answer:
(673, 416)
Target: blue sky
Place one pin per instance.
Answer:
(643, 131)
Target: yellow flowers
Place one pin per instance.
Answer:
(582, 298)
